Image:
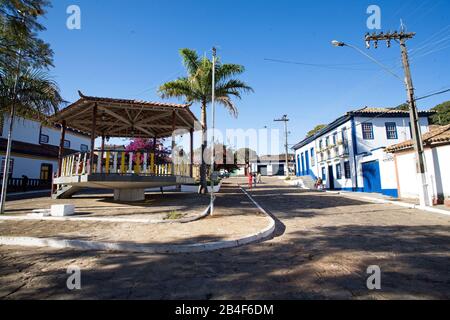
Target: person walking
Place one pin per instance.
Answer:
(250, 179)
(258, 178)
(24, 183)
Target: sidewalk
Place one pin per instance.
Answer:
(379, 198)
(235, 217)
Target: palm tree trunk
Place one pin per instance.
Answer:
(203, 182)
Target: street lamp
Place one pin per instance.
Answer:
(424, 195)
(337, 43)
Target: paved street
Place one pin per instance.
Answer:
(322, 248)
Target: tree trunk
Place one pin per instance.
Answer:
(203, 183)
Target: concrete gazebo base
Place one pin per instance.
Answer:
(127, 188)
(129, 195)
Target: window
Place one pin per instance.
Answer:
(320, 144)
(367, 130)
(327, 141)
(44, 139)
(338, 171)
(335, 138)
(347, 171)
(303, 164)
(391, 130)
(345, 140)
(313, 158)
(66, 144)
(84, 148)
(344, 135)
(46, 171)
(324, 175)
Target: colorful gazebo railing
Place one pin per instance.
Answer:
(123, 163)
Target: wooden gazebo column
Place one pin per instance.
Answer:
(61, 146)
(191, 166)
(174, 118)
(94, 125)
(101, 152)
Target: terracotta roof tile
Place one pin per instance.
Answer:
(378, 110)
(132, 101)
(435, 136)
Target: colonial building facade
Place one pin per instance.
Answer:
(348, 153)
(35, 149)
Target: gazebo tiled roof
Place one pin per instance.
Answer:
(126, 118)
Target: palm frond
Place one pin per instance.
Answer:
(226, 71)
(190, 60)
(36, 95)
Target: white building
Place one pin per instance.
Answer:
(437, 160)
(273, 165)
(348, 154)
(35, 148)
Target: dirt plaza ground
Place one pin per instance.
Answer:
(321, 249)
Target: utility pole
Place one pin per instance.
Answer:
(401, 38)
(213, 115)
(285, 120)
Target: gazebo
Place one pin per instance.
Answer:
(127, 173)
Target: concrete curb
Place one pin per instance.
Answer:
(400, 204)
(144, 248)
(100, 219)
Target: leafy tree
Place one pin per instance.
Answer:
(19, 26)
(140, 144)
(315, 130)
(25, 60)
(25, 87)
(442, 116)
(196, 87)
(403, 107)
(245, 156)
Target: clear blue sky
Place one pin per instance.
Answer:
(126, 49)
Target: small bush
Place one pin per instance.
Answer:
(174, 215)
(287, 178)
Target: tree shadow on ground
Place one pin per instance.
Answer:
(319, 262)
(324, 263)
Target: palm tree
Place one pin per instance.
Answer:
(27, 93)
(196, 87)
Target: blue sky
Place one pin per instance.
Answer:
(126, 49)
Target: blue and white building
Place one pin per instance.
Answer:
(348, 154)
(35, 148)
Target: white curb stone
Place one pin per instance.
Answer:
(144, 248)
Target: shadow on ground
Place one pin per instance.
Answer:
(324, 262)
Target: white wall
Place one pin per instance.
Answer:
(387, 169)
(317, 168)
(438, 172)
(26, 130)
(31, 167)
(313, 166)
(379, 132)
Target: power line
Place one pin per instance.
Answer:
(317, 65)
(433, 94)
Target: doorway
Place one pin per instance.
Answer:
(330, 178)
(371, 176)
(46, 171)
